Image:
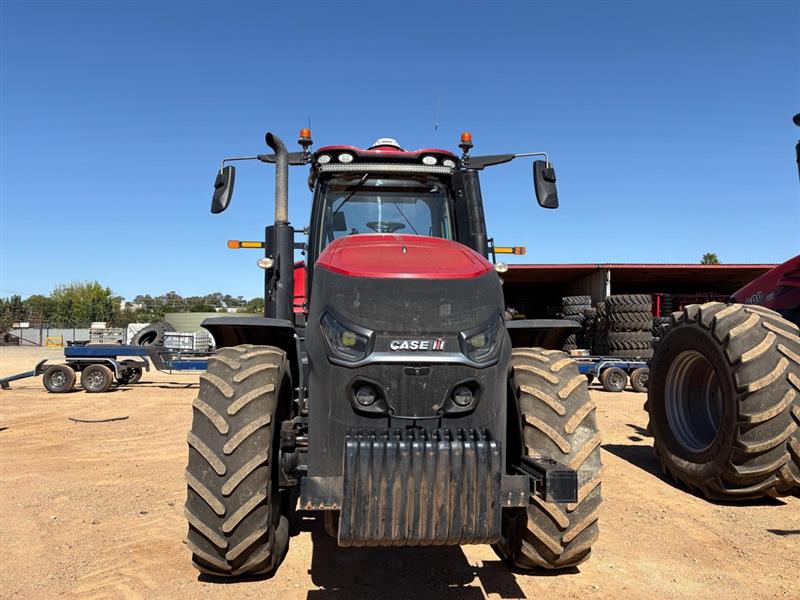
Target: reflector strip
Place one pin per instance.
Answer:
(519, 250)
(236, 244)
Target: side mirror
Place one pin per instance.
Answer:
(544, 183)
(223, 189)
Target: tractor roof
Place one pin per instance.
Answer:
(382, 153)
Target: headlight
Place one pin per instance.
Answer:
(346, 343)
(481, 344)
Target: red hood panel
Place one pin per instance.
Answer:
(393, 256)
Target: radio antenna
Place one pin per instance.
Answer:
(436, 122)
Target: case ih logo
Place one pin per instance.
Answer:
(437, 345)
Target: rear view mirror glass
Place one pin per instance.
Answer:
(544, 182)
(223, 189)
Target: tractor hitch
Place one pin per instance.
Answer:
(551, 480)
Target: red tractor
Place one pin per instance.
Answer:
(396, 399)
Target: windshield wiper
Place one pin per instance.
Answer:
(354, 190)
(397, 206)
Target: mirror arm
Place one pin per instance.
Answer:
(235, 158)
(524, 154)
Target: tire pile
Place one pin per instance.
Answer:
(630, 326)
(574, 308)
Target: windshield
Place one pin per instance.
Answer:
(366, 204)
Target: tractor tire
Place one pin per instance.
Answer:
(630, 340)
(629, 303)
(632, 354)
(96, 379)
(630, 321)
(58, 379)
(613, 379)
(724, 401)
(152, 335)
(639, 379)
(557, 420)
(237, 517)
(576, 301)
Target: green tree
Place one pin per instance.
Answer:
(709, 258)
(39, 308)
(256, 305)
(12, 309)
(78, 304)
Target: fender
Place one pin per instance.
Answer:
(262, 331)
(549, 334)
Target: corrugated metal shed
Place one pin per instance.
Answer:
(188, 321)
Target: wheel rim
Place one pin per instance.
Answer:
(615, 380)
(643, 379)
(96, 379)
(58, 379)
(693, 400)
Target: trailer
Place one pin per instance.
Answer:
(101, 365)
(614, 373)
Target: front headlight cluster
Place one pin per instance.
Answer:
(346, 343)
(481, 344)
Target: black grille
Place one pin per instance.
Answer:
(418, 488)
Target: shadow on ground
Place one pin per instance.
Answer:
(645, 458)
(387, 573)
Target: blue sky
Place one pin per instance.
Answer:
(669, 124)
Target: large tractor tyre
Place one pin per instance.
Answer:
(724, 401)
(152, 335)
(630, 321)
(642, 354)
(624, 339)
(237, 517)
(629, 303)
(557, 420)
(58, 379)
(583, 301)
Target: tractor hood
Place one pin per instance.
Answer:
(391, 256)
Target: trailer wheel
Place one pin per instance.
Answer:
(613, 379)
(96, 379)
(236, 514)
(58, 379)
(724, 401)
(130, 376)
(556, 420)
(639, 379)
(136, 375)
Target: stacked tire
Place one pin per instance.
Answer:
(600, 334)
(574, 308)
(630, 326)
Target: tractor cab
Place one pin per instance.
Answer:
(383, 189)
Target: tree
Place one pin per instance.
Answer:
(12, 309)
(709, 258)
(78, 304)
(39, 308)
(256, 305)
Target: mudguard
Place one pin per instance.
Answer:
(549, 334)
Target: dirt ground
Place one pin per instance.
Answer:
(94, 510)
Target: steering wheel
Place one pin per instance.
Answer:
(385, 226)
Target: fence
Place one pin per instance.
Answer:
(35, 336)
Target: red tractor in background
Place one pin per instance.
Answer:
(391, 395)
(777, 289)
